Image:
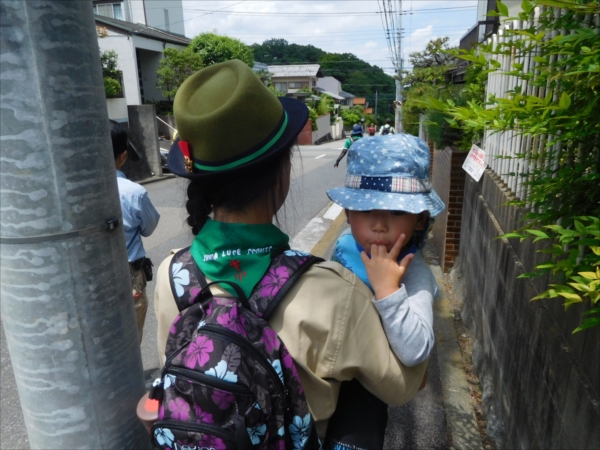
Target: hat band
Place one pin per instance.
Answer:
(251, 156)
(389, 184)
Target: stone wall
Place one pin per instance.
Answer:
(143, 133)
(448, 181)
(540, 382)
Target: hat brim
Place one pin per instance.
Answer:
(297, 113)
(367, 200)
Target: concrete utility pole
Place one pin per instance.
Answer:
(399, 63)
(67, 306)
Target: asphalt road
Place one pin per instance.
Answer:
(312, 175)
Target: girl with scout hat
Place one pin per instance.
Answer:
(236, 140)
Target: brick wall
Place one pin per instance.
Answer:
(540, 382)
(305, 136)
(448, 181)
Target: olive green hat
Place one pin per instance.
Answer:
(227, 119)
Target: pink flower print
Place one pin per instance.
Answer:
(193, 294)
(273, 280)
(180, 409)
(212, 442)
(269, 338)
(223, 399)
(198, 353)
(202, 416)
(173, 330)
(233, 321)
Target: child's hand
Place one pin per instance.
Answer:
(384, 272)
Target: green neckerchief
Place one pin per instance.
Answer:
(237, 252)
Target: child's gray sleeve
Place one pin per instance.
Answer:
(407, 314)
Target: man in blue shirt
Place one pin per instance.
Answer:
(139, 219)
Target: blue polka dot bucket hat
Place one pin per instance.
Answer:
(389, 173)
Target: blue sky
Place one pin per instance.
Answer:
(340, 26)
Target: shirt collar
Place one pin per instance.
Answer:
(120, 174)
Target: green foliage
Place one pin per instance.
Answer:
(428, 80)
(214, 49)
(110, 73)
(108, 61)
(313, 116)
(112, 87)
(352, 115)
(265, 77)
(559, 110)
(174, 68)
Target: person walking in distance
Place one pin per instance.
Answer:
(140, 218)
(355, 135)
(387, 128)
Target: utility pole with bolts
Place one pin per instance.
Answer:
(399, 68)
(67, 305)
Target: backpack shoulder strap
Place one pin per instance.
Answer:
(284, 271)
(186, 279)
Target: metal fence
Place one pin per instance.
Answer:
(510, 154)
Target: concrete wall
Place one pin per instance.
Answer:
(337, 129)
(155, 15)
(143, 133)
(540, 382)
(323, 133)
(117, 109)
(149, 61)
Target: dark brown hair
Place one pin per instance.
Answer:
(235, 191)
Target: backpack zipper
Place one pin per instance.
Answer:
(210, 380)
(202, 428)
(234, 338)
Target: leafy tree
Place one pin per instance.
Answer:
(426, 80)
(110, 73)
(437, 53)
(559, 109)
(214, 49)
(174, 68)
(265, 77)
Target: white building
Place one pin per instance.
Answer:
(121, 26)
(161, 14)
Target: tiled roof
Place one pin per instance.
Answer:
(346, 94)
(141, 30)
(296, 70)
(331, 94)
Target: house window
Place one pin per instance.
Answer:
(314, 83)
(295, 85)
(112, 10)
(281, 87)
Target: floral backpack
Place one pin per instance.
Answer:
(228, 381)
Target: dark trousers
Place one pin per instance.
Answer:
(359, 420)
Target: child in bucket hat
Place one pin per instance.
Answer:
(389, 205)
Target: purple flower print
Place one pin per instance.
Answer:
(161, 413)
(202, 416)
(223, 399)
(212, 442)
(198, 353)
(233, 321)
(287, 360)
(273, 280)
(269, 338)
(193, 294)
(179, 408)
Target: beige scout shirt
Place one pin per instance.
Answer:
(332, 330)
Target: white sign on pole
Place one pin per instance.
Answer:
(475, 164)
